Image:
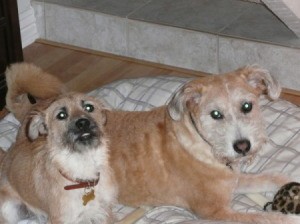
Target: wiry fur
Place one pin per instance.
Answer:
(47, 148)
(179, 155)
(23, 78)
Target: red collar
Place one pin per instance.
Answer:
(80, 184)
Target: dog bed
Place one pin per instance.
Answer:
(281, 155)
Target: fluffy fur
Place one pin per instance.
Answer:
(187, 152)
(61, 142)
(24, 78)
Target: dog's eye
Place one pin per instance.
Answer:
(62, 115)
(217, 115)
(246, 107)
(89, 108)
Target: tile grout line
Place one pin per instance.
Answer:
(44, 19)
(127, 36)
(230, 23)
(127, 25)
(135, 10)
(218, 54)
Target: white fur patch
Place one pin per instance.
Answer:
(81, 165)
(10, 210)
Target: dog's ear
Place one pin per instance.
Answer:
(186, 96)
(262, 81)
(36, 126)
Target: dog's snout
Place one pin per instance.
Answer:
(242, 146)
(83, 123)
(84, 131)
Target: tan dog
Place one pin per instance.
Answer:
(180, 154)
(58, 167)
(184, 153)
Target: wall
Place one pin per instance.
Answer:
(27, 22)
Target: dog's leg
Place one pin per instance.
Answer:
(10, 212)
(228, 214)
(255, 183)
(217, 204)
(12, 209)
(218, 208)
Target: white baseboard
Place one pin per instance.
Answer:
(28, 27)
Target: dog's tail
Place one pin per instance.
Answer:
(28, 84)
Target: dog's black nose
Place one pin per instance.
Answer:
(242, 146)
(83, 124)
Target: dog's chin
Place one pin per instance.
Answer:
(86, 138)
(237, 161)
(86, 141)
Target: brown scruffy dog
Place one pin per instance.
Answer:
(186, 153)
(59, 166)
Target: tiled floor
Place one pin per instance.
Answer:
(233, 18)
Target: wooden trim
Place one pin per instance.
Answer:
(291, 95)
(291, 92)
(124, 58)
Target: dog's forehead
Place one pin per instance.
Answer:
(224, 90)
(72, 100)
(227, 85)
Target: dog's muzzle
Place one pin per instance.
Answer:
(242, 146)
(84, 132)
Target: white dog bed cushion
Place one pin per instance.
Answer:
(282, 154)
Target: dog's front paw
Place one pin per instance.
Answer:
(31, 221)
(280, 179)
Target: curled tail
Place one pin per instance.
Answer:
(28, 84)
